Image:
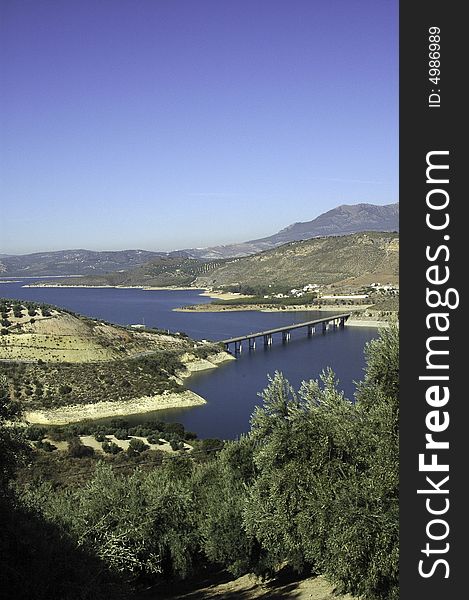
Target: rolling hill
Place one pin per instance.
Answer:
(55, 360)
(342, 220)
(73, 262)
(160, 272)
(353, 260)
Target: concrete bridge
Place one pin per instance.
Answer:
(310, 326)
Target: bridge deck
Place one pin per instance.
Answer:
(248, 336)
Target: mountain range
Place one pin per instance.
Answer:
(343, 220)
(73, 262)
(351, 261)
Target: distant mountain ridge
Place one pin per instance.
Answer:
(343, 220)
(350, 260)
(73, 262)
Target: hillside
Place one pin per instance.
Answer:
(55, 335)
(73, 262)
(159, 272)
(54, 359)
(356, 260)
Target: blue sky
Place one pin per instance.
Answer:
(165, 124)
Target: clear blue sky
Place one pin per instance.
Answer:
(164, 124)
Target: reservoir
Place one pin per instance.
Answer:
(232, 389)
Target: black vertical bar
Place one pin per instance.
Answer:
(432, 119)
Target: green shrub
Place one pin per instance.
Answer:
(153, 438)
(35, 433)
(78, 450)
(136, 446)
(111, 448)
(220, 489)
(208, 448)
(175, 428)
(45, 445)
(121, 434)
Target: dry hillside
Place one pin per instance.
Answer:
(61, 336)
(358, 259)
(53, 358)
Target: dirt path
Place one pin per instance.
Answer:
(222, 586)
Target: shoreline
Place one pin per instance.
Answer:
(219, 295)
(74, 413)
(367, 323)
(354, 321)
(261, 308)
(212, 361)
(207, 292)
(113, 287)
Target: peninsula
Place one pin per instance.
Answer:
(62, 367)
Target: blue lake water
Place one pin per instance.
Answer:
(231, 390)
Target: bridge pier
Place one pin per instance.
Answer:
(333, 322)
